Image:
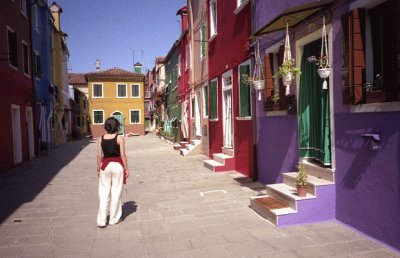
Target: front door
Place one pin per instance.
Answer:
(31, 137)
(120, 118)
(228, 119)
(314, 114)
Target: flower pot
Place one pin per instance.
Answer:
(324, 72)
(259, 84)
(287, 78)
(302, 191)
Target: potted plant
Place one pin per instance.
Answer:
(287, 71)
(324, 69)
(301, 181)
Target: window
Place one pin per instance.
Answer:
(187, 59)
(370, 62)
(135, 90)
(98, 116)
(97, 90)
(35, 18)
(135, 116)
(121, 90)
(25, 57)
(37, 65)
(213, 18)
(214, 99)
(23, 7)
(12, 48)
(203, 41)
(244, 90)
(205, 100)
(179, 65)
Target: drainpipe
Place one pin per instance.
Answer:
(191, 79)
(254, 113)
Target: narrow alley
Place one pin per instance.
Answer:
(172, 207)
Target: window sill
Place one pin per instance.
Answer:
(243, 118)
(213, 120)
(276, 113)
(376, 107)
(212, 37)
(239, 8)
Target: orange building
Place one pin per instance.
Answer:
(118, 93)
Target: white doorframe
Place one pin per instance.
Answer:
(31, 136)
(16, 131)
(227, 109)
(197, 113)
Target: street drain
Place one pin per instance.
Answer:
(17, 221)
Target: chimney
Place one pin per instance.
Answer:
(184, 18)
(56, 11)
(97, 65)
(138, 68)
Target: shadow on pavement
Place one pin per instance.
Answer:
(127, 209)
(23, 183)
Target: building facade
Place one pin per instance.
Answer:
(118, 93)
(230, 96)
(17, 100)
(353, 144)
(81, 110)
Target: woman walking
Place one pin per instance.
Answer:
(112, 167)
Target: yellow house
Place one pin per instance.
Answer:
(118, 93)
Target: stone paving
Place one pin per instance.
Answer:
(173, 207)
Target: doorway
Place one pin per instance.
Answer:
(197, 114)
(120, 117)
(313, 110)
(31, 136)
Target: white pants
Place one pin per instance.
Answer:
(110, 183)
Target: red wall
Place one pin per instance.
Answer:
(229, 48)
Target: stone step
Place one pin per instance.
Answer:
(221, 157)
(212, 164)
(318, 171)
(228, 151)
(286, 194)
(195, 142)
(184, 151)
(290, 179)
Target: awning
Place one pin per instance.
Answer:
(293, 15)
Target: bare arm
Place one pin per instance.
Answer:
(121, 142)
(99, 155)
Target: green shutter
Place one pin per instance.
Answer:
(213, 100)
(206, 100)
(245, 109)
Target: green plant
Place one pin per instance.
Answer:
(301, 178)
(287, 67)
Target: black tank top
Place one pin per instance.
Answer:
(110, 147)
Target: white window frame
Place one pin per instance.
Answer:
(26, 73)
(130, 117)
(138, 85)
(8, 50)
(95, 110)
(179, 65)
(35, 18)
(187, 53)
(240, 4)
(35, 55)
(213, 23)
(126, 90)
(205, 114)
(102, 91)
(226, 75)
(23, 7)
(245, 63)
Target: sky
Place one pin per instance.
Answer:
(118, 32)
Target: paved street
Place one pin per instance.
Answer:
(173, 207)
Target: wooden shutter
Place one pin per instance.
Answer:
(353, 67)
(269, 80)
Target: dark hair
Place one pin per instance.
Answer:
(111, 125)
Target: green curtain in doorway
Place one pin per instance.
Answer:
(314, 125)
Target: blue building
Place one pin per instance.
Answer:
(42, 66)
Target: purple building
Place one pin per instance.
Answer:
(346, 135)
